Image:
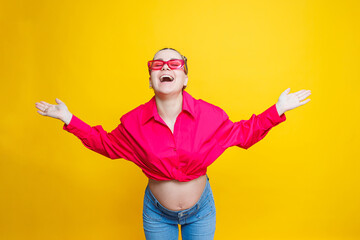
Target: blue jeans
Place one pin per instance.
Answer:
(197, 222)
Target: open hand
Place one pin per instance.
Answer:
(290, 101)
(59, 111)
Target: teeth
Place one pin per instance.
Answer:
(163, 76)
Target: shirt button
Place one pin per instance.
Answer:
(174, 149)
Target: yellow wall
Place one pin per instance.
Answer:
(300, 182)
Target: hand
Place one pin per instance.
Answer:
(59, 111)
(290, 101)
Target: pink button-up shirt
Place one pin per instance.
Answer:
(202, 132)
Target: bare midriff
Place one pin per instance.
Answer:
(175, 195)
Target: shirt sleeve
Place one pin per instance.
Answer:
(246, 133)
(114, 144)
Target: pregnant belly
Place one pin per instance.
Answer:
(175, 195)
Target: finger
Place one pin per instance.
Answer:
(306, 101)
(299, 92)
(39, 105)
(42, 113)
(286, 92)
(42, 107)
(58, 101)
(45, 103)
(303, 90)
(44, 110)
(304, 95)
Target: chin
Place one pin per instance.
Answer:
(165, 91)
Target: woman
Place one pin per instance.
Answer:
(173, 138)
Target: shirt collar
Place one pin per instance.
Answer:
(150, 109)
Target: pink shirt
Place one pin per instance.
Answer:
(202, 132)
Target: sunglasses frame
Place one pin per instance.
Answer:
(166, 62)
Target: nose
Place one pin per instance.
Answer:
(165, 68)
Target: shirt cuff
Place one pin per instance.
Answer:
(274, 115)
(77, 127)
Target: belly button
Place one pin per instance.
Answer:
(180, 206)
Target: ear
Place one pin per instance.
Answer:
(150, 85)
(186, 80)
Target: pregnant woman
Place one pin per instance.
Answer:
(173, 138)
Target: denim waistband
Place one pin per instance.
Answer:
(181, 213)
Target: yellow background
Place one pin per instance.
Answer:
(300, 182)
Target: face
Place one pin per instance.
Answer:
(176, 80)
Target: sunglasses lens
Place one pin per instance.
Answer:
(156, 65)
(174, 64)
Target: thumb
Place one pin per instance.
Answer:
(287, 91)
(58, 101)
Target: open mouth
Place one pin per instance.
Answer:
(166, 78)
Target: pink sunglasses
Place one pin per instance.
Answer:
(173, 64)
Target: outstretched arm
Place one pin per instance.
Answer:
(246, 133)
(114, 144)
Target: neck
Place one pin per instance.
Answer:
(169, 107)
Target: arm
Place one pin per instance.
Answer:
(112, 144)
(246, 133)
(115, 144)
